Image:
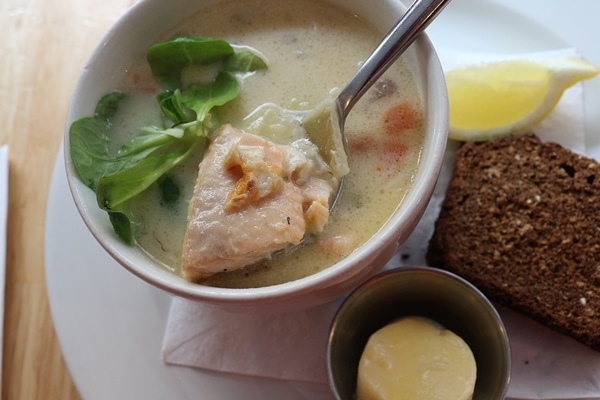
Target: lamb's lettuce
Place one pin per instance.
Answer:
(167, 60)
(89, 140)
(118, 176)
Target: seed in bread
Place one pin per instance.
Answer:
(521, 220)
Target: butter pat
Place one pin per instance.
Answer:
(412, 359)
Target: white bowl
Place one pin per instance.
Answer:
(136, 31)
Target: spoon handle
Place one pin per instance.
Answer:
(399, 38)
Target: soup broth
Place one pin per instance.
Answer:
(312, 48)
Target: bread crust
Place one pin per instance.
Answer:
(521, 221)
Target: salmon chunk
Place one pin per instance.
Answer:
(252, 198)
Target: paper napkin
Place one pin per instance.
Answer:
(546, 365)
(3, 220)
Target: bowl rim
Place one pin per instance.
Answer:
(421, 191)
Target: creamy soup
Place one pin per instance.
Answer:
(311, 48)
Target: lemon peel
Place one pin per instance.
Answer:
(509, 97)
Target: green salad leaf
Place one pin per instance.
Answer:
(168, 59)
(194, 103)
(244, 61)
(89, 140)
(169, 190)
(118, 176)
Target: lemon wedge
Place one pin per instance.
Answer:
(509, 97)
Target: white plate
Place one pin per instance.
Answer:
(110, 324)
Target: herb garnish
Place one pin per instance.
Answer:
(119, 176)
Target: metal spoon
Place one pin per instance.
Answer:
(398, 39)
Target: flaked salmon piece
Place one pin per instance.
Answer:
(261, 174)
(252, 198)
(316, 204)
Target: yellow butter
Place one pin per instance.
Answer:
(412, 359)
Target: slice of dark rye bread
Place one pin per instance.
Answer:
(521, 221)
